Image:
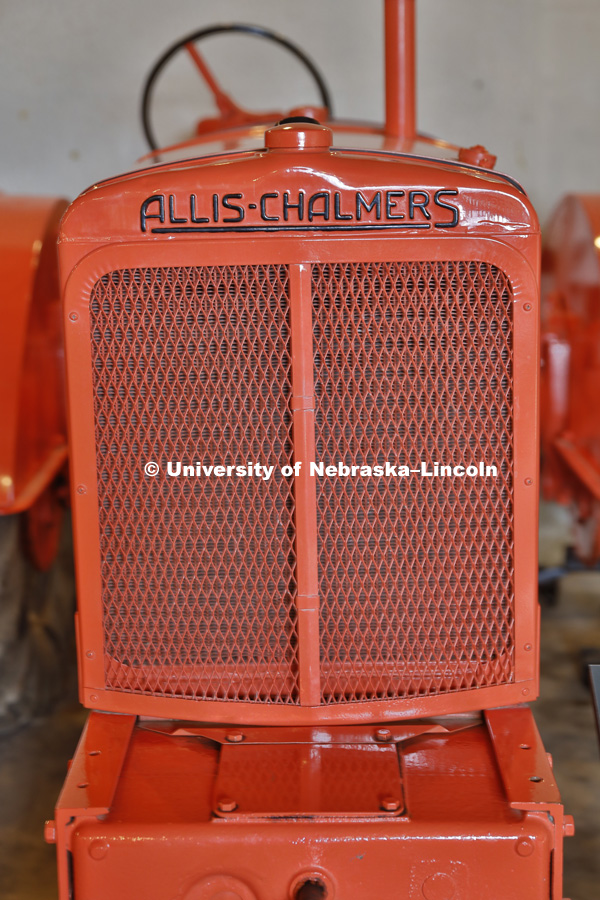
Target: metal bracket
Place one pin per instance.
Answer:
(91, 781)
(293, 734)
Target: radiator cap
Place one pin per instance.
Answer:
(298, 133)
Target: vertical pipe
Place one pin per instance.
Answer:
(305, 490)
(400, 116)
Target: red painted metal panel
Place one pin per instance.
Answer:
(458, 835)
(307, 779)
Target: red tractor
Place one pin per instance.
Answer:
(302, 363)
(36, 593)
(571, 367)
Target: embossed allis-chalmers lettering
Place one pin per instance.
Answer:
(281, 210)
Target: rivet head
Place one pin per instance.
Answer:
(390, 804)
(81, 489)
(383, 734)
(90, 654)
(525, 692)
(528, 647)
(73, 316)
(529, 482)
(98, 849)
(524, 847)
(527, 307)
(226, 805)
(234, 737)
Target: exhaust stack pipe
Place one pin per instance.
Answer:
(400, 106)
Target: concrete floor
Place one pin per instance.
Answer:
(33, 761)
(566, 721)
(32, 768)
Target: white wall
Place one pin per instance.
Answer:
(520, 76)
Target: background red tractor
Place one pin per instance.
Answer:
(570, 412)
(36, 592)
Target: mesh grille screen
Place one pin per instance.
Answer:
(198, 573)
(413, 361)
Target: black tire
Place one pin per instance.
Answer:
(36, 627)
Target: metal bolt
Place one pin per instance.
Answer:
(527, 307)
(73, 316)
(98, 849)
(226, 804)
(234, 737)
(528, 647)
(390, 804)
(90, 654)
(81, 489)
(524, 847)
(383, 734)
(529, 482)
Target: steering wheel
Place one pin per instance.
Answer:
(230, 114)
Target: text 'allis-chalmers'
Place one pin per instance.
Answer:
(393, 208)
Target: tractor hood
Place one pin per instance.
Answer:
(299, 184)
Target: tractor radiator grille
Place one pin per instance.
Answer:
(412, 363)
(198, 573)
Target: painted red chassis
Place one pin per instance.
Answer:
(459, 807)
